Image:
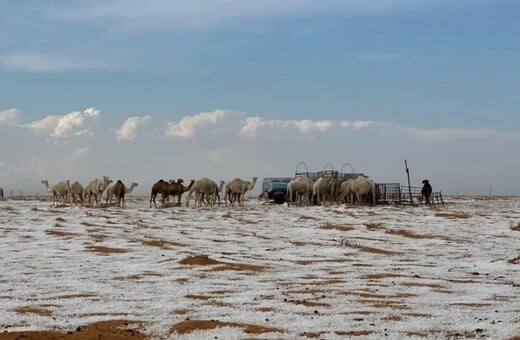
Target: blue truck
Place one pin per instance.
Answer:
(276, 188)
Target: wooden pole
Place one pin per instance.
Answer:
(409, 186)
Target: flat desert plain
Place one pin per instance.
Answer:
(260, 271)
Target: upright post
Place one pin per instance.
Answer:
(409, 186)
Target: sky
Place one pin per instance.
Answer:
(143, 90)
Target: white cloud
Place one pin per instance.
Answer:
(71, 124)
(10, 117)
(44, 126)
(308, 126)
(190, 125)
(58, 127)
(357, 125)
(251, 125)
(128, 130)
(44, 63)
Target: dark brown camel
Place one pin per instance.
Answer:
(119, 192)
(177, 189)
(160, 187)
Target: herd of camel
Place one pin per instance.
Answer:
(304, 191)
(300, 191)
(206, 191)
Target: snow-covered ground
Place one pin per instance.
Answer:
(265, 271)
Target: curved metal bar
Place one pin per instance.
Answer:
(344, 165)
(325, 166)
(298, 166)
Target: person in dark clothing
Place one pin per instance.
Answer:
(426, 191)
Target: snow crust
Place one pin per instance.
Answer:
(392, 272)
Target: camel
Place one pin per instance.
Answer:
(334, 188)
(237, 188)
(177, 189)
(203, 187)
(111, 191)
(96, 187)
(301, 188)
(58, 191)
(212, 198)
(75, 190)
(426, 191)
(166, 189)
(321, 190)
(345, 191)
(362, 186)
(1, 194)
(119, 193)
(159, 187)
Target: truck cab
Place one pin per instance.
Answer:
(276, 188)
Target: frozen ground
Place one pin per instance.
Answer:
(265, 271)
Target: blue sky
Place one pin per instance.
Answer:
(447, 68)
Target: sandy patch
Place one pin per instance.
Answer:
(33, 310)
(515, 260)
(113, 330)
(374, 226)
(189, 326)
(162, 243)
(60, 233)
(453, 215)
(379, 276)
(204, 260)
(199, 260)
(107, 250)
(340, 227)
(378, 251)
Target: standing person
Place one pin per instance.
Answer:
(426, 191)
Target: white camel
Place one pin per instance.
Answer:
(212, 199)
(111, 191)
(75, 191)
(95, 188)
(201, 187)
(321, 190)
(58, 191)
(334, 184)
(345, 192)
(362, 186)
(299, 191)
(237, 188)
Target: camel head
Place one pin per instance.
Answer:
(190, 185)
(251, 185)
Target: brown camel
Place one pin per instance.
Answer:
(119, 192)
(159, 187)
(166, 189)
(177, 189)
